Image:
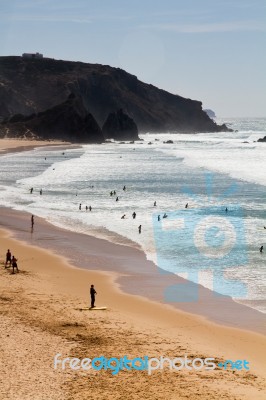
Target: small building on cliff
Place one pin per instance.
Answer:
(32, 55)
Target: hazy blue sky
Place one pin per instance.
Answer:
(209, 50)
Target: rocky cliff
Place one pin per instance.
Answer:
(31, 86)
(120, 126)
(67, 121)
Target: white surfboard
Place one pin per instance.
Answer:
(91, 309)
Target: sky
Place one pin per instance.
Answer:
(213, 51)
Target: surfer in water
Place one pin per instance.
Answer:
(261, 249)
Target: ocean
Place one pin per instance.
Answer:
(215, 241)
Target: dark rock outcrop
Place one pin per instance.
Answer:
(68, 121)
(262, 139)
(120, 126)
(30, 86)
(210, 113)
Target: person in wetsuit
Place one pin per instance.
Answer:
(92, 293)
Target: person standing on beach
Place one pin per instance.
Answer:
(8, 258)
(14, 264)
(92, 293)
(32, 221)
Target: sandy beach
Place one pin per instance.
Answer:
(13, 145)
(43, 313)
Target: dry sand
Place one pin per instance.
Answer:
(41, 311)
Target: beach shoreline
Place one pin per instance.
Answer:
(46, 298)
(135, 275)
(18, 145)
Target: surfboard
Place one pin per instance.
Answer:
(90, 309)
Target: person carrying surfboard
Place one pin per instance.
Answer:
(93, 293)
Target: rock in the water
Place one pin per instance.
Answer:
(210, 113)
(120, 126)
(262, 139)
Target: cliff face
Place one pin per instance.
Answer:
(68, 121)
(120, 126)
(30, 85)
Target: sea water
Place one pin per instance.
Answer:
(209, 171)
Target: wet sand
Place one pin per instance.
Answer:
(135, 275)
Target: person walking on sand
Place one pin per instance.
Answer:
(92, 293)
(14, 264)
(8, 258)
(32, 221)
(139, 229)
